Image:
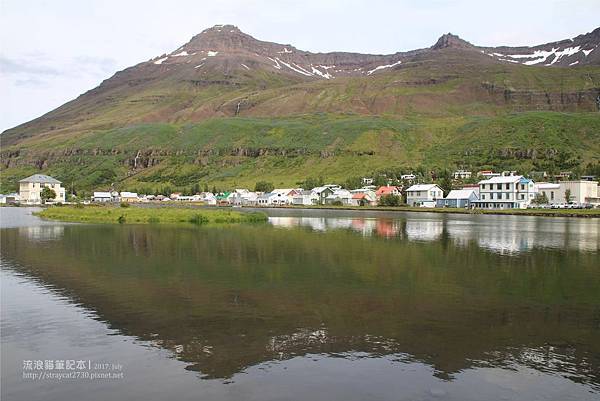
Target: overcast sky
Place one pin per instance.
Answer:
(53, 50)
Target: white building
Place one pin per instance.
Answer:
(339, 195)
(551, 190)
(487, 174)
(243, 197)
(306, 198)
(129, 197)
(9, 198)
(423, 195)
(209, 198)
(408, 177)
(581, 192)
(506, 192)
(462, 174)
(30, 189)
(102, 197)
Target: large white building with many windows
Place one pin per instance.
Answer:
(505, 192)
(30, 189)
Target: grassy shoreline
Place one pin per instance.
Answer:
(135, 215)
(585, 213)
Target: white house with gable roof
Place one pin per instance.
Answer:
(423, 195)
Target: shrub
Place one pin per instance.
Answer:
(153, 220)
(389, 200)
(125, 204)
(121, 219)
(198, 219)
(337, 203)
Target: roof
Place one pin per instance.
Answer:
(505, 179)
(386, 190)
(422, 187)
(102, 195)
(548, 185)
(305, 193)
(460, 194)
(360, 195)
(41, 178)
(129, 194)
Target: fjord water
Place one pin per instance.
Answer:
(317, 305)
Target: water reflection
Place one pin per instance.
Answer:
(421, 295)
(42, 233)
(501, 234)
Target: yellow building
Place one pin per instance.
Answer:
(30, 189)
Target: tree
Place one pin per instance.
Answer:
(389, 200)
(445, 181)
(47, 194)
(541, 199)
(264, 186)
(568, 195)
(353, 183)
(312, 182)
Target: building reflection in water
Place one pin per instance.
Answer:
(499, 234)
(42, 233)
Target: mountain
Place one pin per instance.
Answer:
(226, 108)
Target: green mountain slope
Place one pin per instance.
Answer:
(237, 118)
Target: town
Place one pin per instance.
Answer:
(505, 190)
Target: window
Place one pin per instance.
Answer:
(551, 195)
(498, 186)
(522, 187)
(507, 186)
(483, 196)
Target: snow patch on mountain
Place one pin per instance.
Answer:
(325, 75)
(211, 53)
(587, 52)
(160, 60)
(381, 67)
(181, 54)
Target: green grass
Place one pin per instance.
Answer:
(138, 215)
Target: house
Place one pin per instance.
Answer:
(487, 174)
(462, 174)
(460, 198)
(505, 192)
(339, 195)
(324, 191)
(102, 197)
(408, 177)
(581, 192)
(9, 199)
(30, 189)
(129, 197)
(363, 198)
(423, 195)
(367, 181)
(563, 175)
(387, 190)
(175, 195)
(243, 197)
(209, 198)
(223, 198)
(551, 190)
(305, 198)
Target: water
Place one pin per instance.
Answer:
(315, 305)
